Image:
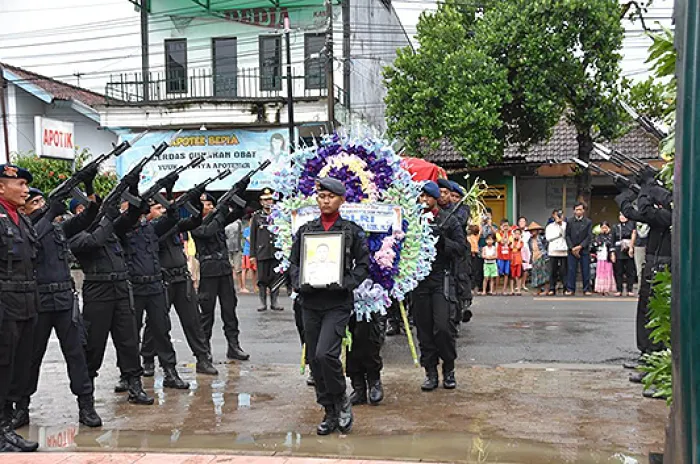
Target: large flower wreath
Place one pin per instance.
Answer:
(371, 172)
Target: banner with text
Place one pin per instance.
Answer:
(237, 150)
(372, 217)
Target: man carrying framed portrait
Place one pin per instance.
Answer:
(329, 259)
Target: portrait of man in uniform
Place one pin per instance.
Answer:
(322, 255)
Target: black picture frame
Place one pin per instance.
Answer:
(327, 268)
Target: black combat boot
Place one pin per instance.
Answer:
(20, 416)
(637, 377)
(393, 327)
(136, 393)
(172, 379)
(310, 380)
(329, 424)
(121, 386)
(205, 366)
(448, 376)
(262, 294)
(273, 301)
(376, 390)
(345, 417)
(86, 411)
(431, 379)
(10, 441)
(359, 389)
(236, 352)
(149, 367)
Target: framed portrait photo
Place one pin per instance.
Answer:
(322, 255)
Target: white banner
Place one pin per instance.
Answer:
(372, 217)
(54, 139)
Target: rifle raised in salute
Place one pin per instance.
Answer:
(167, 182)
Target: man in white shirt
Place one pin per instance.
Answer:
(555, 233)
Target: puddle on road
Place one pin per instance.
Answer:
(434, 446)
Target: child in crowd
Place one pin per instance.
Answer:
(489, 255)
(504, 238)
(605, 258)
(516, 262)
(248, 265)
(477, 264)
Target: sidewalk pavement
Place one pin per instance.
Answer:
(162, 458)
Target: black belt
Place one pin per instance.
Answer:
(146, 279)
(55, 287)
(175, 271)
(111, 277)
(18, 286)
(211, 257)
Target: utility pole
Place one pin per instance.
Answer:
(329, 66)
(290, 90)
(144, 48)
(346, 53)
(3, 110)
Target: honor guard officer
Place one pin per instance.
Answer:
(140, 244)
(107, 296)
(435, 297)
(262, 250)
(216, 275)
(326, 311)
(19, 302)
(462, 269)
(58, 302)
(654, 207)
(179, 285)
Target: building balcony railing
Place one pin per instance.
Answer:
(203, 83)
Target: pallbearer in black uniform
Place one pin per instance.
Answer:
(18, 301)
(262, 250)
(179, 285)
(216, 274)
(434, 300)
(58, 302)
(140, 242)
(107, 296)
(326, 311)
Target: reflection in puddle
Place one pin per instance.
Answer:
(435, 446)
(243, 400)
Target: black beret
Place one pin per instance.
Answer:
(34, 192)
(456, 188)
(10, 171)
(444, 183)
(331, 185)
(206, 196)
(74, 203)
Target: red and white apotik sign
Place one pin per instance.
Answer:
(54, 139)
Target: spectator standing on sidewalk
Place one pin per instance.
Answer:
(234, 237)
(539, 273)
(555, 233)
(578, 239)
(624, 236)
(605, 257)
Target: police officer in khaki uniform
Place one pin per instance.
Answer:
(19, 302)
(262, 250)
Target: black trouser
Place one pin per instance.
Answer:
(156, 308)
(266, 271)
(299, 318)
(625, 270)
(477, 272)
(69, 336)
(324, 332)
(393, 314)
(432, 313)
(367, 340)
(557, 271)
(182, 295)
(114, 317)
(222, 287)
(644, 343)
(16, 344)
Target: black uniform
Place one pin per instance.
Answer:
(262, 248)
(216, 278)
(107, 297)
(141, 250)
(364, 361)
(326, 312)
(462, 270)
(18, 311)
(435, 297)
(653, 208)
(179, 286)
(624, 264)
(58, 309)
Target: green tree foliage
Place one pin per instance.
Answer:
(447, 89)
(649, 98)
(49, 173)
(659, 365)
(554, 56)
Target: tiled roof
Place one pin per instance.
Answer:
(57, 89)
(561, 147)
